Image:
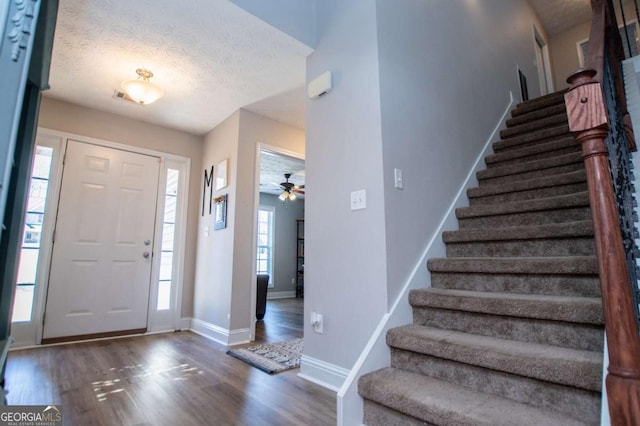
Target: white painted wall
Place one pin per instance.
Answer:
(285, 240)
(66, 117)
(345, 251)
(225, 275)
(294, 17)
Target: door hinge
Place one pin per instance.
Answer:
(53, 239)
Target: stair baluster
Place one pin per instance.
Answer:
(590, 117)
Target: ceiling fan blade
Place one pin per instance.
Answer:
(298, 191)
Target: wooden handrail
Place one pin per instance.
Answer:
(589, 120)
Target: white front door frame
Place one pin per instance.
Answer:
(157, 320)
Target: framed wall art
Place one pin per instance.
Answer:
(220, 212)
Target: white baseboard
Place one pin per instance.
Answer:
(281, 294)
(376, 353)
(185, 323)
(322, 373)
(220, 334)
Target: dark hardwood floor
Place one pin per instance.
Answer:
(169, 379)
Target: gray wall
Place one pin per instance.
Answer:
(412, 91)
(285, 240)
(225, 273)
(345, 263)
(443, 89)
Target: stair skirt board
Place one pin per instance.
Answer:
(375, 355)
(510, 329)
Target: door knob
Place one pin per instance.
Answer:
(146, 254)
(147, 242)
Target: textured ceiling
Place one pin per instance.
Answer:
(560, 15)
(272, 169)
(209, 56)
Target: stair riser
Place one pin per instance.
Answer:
(577, 403)
(539, 247)
(533, 157)
(557, 333)
(555, 285)
(538, 104)
(537, 115)
(530, 194)
(531, 174)
(548, 122)
(378, 415)
(531, 139)
(527, 218)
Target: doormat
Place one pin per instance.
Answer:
(271, 358)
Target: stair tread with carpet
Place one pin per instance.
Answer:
(510, 331)
(548, 165)
(547, 121)
(533, 138)
(551, 307)
(438, 402)
(551, 148)
(519, 186)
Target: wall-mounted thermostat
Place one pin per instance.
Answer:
(320, 85)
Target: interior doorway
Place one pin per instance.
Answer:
(542, 62)
(279, 250)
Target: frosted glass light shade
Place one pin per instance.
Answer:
(142, 90)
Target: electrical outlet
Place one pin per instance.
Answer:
(316, 322)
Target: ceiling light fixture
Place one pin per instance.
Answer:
(287, 189)
(141, 90)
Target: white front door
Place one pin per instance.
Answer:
(103, 242)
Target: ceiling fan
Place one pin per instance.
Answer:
(289, 189)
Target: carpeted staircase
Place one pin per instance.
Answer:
(510, 333)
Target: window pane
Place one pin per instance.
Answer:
(172, 181)
(167, 236)
(23, 303)
(28, 264)
(42, 162)
(37, 195)
(166, 260)
(170, 209)
(34, 219)
(164, 295)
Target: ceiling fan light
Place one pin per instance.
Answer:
(141, 89)
(283, 196)
(292, 196)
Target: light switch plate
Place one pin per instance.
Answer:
(359, 200)
(397, 176)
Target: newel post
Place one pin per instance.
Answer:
(588, 120)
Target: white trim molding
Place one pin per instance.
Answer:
(322, 373)
(219, 334)
(281, 294)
